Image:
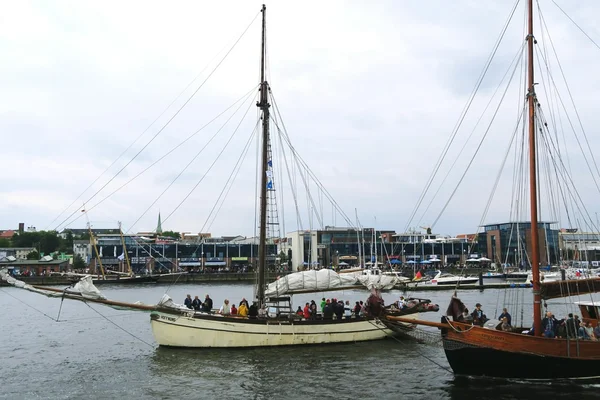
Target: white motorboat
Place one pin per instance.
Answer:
(446, 279)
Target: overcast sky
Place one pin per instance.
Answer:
(369, 93)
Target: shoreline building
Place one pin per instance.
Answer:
(332, 246)
(339, 246)
(510, 242)
(167, 254)
(580, 247)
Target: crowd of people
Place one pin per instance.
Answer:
(570, 327)
(328, 308)
(243, 309)
(332, 309)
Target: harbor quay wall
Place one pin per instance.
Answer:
(201, 277)
(183, 278)
(214, 277)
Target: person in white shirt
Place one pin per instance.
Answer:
(347, 310)
(402, 303)
(225, 308)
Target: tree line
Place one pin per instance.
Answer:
(43, 241)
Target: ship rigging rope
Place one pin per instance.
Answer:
(417, 350)
(226, 187)
(575, 23)
(573, 104)
(230, 180)
(518, 58)
(478, 148)
(301, 164)
(120, 327)
(211, 165)
(29, 305)
(568, 181)
(166, 123)
(241, 99)
(461, 118)
(194, 159)
(139, 137)
(293, 187)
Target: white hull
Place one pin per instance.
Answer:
(449, 283)
(218, 331)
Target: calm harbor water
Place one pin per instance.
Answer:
(97, 352)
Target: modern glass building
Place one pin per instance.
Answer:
(510, 243)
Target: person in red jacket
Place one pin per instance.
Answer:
(306, 311)
(233, 310)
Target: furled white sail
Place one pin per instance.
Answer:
(167, 302)
(84, 287)
(326, 279)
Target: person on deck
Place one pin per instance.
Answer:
(338, 309)
(328, 310)
(323, 302)
(306, 313)
(589, 331)
(313, 309)
(347, 310)
(208, 304)
(196, 304)
(188, 301)
(253, 310)
(505, 326)
(549, 325)
(507, 315)
(583, 333)
(597, 331)
(243, 309)
(571, 327)
(225, 309)
(233, 310)
(479, 317)
(402, 303)
(357, 310)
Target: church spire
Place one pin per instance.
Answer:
(159, 225)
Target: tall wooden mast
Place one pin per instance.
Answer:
(95, 248)
(535, 246)
(264, 105)
(125, 255)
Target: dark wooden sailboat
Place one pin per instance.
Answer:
(480, 351)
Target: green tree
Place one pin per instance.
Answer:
(174, 235)
(4, 242)
(69, 240)
(26, 239)
(45, 241)
(78, 262)
(34, 255)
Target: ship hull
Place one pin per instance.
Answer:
(487, 362)
(476, 351)
(217, 331)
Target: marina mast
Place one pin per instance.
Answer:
(264, 105)
(535, 249)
